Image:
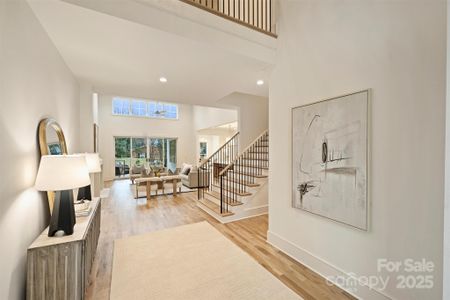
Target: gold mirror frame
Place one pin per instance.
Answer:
(42, 131)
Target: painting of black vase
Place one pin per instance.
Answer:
(329, 155)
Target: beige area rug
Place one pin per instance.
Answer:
(190, 262)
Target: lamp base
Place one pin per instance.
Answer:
(63, 215)
(84, 193)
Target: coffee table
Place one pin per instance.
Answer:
(157, 182)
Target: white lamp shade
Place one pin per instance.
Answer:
(93, 162)
(62, 172)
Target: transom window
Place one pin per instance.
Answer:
(121, 106)
(144, 108)
(138, 108)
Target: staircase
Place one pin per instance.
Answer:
(234, 186)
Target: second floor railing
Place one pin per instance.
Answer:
(256, 14)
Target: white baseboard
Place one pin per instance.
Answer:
(247, 213)
(323, 268)
(244, 214)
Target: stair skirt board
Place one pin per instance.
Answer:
(244, 214)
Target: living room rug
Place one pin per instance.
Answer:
(190, 262)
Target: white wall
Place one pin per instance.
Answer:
(207, 117)
(86, 118)
(214, 137)
(253, 116)
(34, 83)
(446, 280)
(111, 126)
(398, 49)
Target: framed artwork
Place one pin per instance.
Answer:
(330, 156)
(203, 149)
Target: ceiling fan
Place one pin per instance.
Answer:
(160, 112)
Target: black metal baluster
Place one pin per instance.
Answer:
(270, 15)
(239, 9)
(199, 177)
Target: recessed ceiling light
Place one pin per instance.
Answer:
(260, 82)
(163, 79)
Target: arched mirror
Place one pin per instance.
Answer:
(51, 142)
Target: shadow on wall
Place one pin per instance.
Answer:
(19, 201)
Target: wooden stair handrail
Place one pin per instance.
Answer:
(243, 152)
(220, 148)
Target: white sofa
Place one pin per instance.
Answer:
(191, 180)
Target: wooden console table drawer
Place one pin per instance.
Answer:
(58, 267)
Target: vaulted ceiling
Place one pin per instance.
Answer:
(123, 57)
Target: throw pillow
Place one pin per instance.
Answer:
(185, 168)
(188, 170)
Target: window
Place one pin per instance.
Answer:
(123, 155)
(171, 111)
(138, 108)
(138, 151)
(121, 106)
(144, 151)
(144, 108)
(162, 110)
(152, 109)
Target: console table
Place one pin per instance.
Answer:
(59, 267)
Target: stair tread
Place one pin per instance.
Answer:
(249, 166)
(214, 207)
(249, 174)
(226, 199)
(243, 182)
(234, 192)
(249, 158)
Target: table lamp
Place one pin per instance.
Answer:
(93, 164)
(62, 174)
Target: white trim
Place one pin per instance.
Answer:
(262, 210)
(247, 217)
(256, 207)
(322, 267)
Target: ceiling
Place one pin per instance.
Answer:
(121, 57)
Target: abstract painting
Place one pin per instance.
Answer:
(329, 155)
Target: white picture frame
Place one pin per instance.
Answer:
(330, 158)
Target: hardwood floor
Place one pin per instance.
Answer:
(123, 216)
